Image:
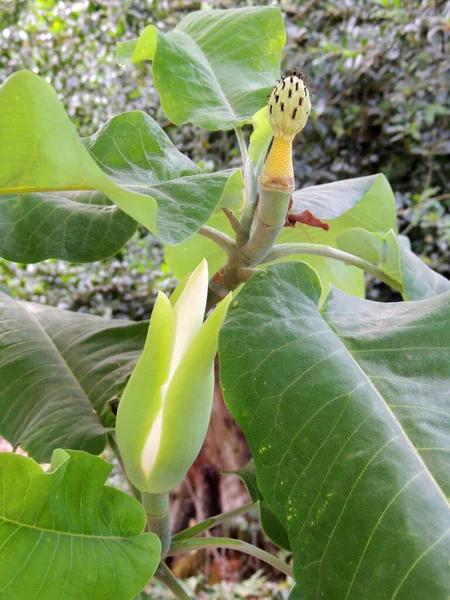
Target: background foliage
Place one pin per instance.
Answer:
(376, 68)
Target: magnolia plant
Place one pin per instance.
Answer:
(343, 401)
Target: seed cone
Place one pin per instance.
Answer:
(289, 108)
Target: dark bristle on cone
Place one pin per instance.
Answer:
(296, 73)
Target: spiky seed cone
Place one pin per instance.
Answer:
(289, 108)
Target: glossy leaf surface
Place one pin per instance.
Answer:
(346, 412)
(65, 534)
(216, 67)
(59, 373)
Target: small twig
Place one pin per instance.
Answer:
(221, 239)
(212, 522)
(184, 546)
(234, 221)
(166, 577)
(284, 250)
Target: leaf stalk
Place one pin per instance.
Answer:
(167, 578)
(183, 546)
(285, 250)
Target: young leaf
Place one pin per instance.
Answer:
(66, 535)
(216, 67)
(60, 373)
(130, 161)
(344, 408)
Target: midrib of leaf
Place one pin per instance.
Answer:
(58, 533)
(35, 190)
(60, 357)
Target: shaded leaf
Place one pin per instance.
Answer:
(66, 535)
(59, 372)
(345, 410)
(221, 63)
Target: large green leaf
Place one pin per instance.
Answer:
(65, 535)
(130, 161)
(59, 373)
(393, 256)
(346, 412)
(216, 67)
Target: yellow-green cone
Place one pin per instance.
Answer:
(289, 107)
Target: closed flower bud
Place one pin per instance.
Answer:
(288, 109)
(165, 409)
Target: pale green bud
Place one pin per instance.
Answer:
(164, 411)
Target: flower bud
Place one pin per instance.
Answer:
(164, 412)
(289, 107)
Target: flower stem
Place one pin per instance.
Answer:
(284, 250)
(183, 546)
(212, 522)
(158, 518)
(165, 576)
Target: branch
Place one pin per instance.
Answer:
(184, 546)
(284, 250)
(221, 239)
(165, 576)
(212, 522)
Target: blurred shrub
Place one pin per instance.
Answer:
(378, 70)
(380, 74)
